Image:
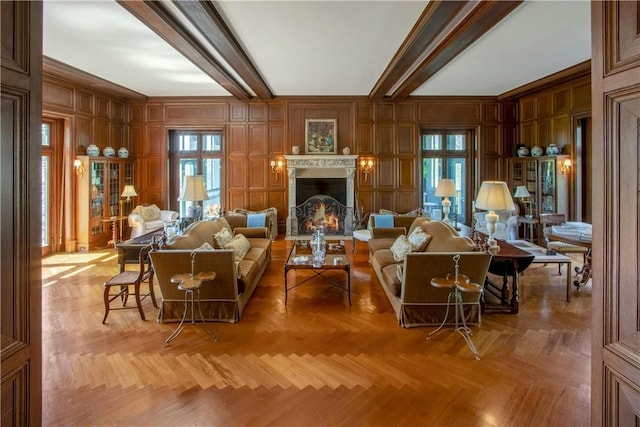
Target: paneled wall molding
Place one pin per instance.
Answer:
(256, 131)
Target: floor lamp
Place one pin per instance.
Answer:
(446, 188)
(194, 191)
(494, 196)
(128, 192)
(523, 193)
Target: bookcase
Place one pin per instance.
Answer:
(541, 176)
(98, 198)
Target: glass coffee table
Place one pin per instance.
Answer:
(300, 258)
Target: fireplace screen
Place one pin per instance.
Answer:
(324, 210)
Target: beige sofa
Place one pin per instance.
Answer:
(224, 298)
(146, 218)
(407, 283)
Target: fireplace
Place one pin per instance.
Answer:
(317, 184)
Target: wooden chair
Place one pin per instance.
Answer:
(124, 280)
(547, 220)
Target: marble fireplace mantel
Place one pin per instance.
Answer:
(320, 166)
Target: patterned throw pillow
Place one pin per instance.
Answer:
(222, 237)
(240, 246)
(400, 248)
(419, 240)
(415, 212)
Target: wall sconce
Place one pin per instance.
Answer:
(366, 165)
(276, 167)
(79, 167)
(565, 167)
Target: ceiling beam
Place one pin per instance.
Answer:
(206, 19)
(473, 25)
(434, 19)
(61, 70)
(156, 16)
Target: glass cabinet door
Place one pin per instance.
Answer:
(114, 189)
(96, 197)
(547, 186)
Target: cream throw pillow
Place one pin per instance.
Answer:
(419, 240)
(223, 237)
(400, 248)
(240, 246)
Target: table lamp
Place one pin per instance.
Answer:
(493, 196)
(523, 193)
(446, 187)
(194, 191)
(128, 192)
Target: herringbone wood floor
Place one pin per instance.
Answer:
(316, 362)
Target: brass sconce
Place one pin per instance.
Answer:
(79, 167)
(276, 167)
(366, 165)
(565, 167)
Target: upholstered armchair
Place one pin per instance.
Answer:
(271, 219)
(506, 228)
(146, 218)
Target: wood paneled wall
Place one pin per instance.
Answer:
(94, 117)
(257, 132)
(546, 116)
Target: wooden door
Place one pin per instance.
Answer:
(20, 232)
(615, 380)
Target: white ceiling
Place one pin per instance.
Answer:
(317, 47)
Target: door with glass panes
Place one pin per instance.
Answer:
(446, 153)
(197, 152)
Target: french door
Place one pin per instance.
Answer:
(446, 153)
(51, 228)
(196, 152)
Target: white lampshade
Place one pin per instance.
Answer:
(494, 196)
(446, 188)
(521, 191)
(129, 191)
(194, 189)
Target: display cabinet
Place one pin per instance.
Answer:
(98, 199)
(548, 188)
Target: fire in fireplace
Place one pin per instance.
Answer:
(322, 210)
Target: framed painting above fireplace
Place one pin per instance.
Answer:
(320, 136)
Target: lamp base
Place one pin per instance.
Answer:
(194, 211)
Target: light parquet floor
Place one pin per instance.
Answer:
(316, 362)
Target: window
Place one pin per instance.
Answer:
(46, 178)
(196, 153)
(446, 154)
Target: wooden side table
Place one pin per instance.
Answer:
(529, 225)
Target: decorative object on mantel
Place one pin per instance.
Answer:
(109, 152)
(537, 151)
(523, 151)
(123, 152)
(346, 151)
(320, 136)
(93, 150)
(295, 150)
(553, 150)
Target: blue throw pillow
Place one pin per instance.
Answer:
(382, 220)
(256, 220)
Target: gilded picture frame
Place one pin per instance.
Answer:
(320, 136)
